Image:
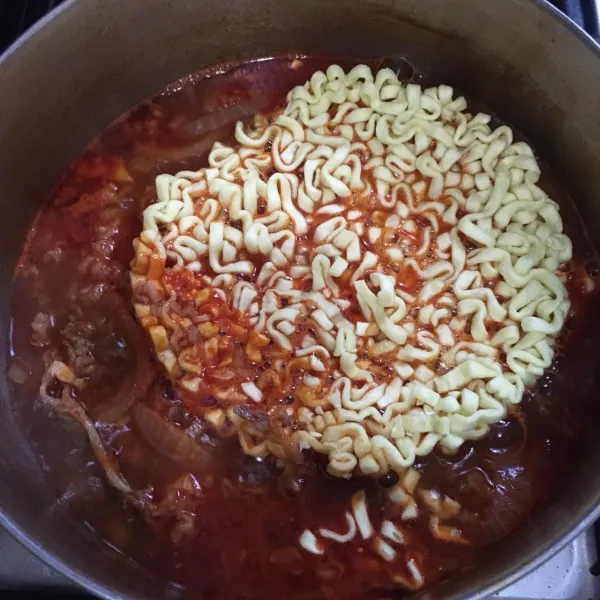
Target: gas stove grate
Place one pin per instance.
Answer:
(586, 13)
(16, 16)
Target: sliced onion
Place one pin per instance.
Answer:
(288, 559)
(168, 153)
(67, 404)
(205, 131)
(505, 505)
(137, 380)
(18, 372)
(169, 440)
(221, 118)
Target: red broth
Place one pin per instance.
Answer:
(72, 297)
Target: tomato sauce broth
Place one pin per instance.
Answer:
(74, 272)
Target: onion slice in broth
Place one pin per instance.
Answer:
(169, 440)
(504, 504)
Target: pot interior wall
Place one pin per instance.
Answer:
(94, 59)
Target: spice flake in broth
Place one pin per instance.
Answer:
(227, 524)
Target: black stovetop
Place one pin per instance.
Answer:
(16, 16)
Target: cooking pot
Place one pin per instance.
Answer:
(86, 63)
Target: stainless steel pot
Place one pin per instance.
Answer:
(85, 64)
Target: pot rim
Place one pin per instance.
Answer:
(90, 582)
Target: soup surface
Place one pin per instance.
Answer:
(299, 348)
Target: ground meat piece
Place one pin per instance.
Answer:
(77, 335)
(184, 529)
(178, 507)
(179, 340)
(42, 325)
(101, 268)
(149, 292)
(54, 254)
(104, 244)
